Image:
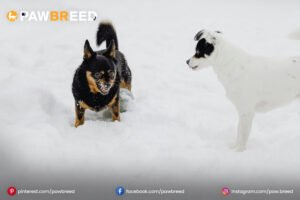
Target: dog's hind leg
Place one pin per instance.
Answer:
(244, 129)
(125, 85)
(79, 111)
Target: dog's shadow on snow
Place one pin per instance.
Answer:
(104, 115)
(126, 103)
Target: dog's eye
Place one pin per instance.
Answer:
(197, 54)
(111, 75)
(98, 74)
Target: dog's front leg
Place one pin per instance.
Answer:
(244, 129)
(79, 111)
(115, 108)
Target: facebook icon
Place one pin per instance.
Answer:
(120, 191)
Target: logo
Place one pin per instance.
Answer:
(52, 16)
(11, 191)
(12, 16)
(225, 191)
(120, 191)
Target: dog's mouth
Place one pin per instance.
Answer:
(104, 89)
(195, 67)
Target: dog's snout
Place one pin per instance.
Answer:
(188, 61)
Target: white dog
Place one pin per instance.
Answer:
(252, 83)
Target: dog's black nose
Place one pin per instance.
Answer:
(188, 61)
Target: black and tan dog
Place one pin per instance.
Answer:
(97, 81)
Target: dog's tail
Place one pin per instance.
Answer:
(106, 32)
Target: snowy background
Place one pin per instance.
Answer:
(180, 124)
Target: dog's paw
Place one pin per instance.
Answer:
(232, 146)
(78, 123)
(237, 147)
(240, 148)
(116, 118)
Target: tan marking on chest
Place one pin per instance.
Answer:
(84, 105)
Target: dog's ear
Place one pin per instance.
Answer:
(198, 35)
(111, 50)
(87, 51)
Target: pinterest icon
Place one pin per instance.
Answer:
(11, 191)
(225, 191)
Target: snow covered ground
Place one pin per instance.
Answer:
(180, 124)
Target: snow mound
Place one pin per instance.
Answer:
(126, 100)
